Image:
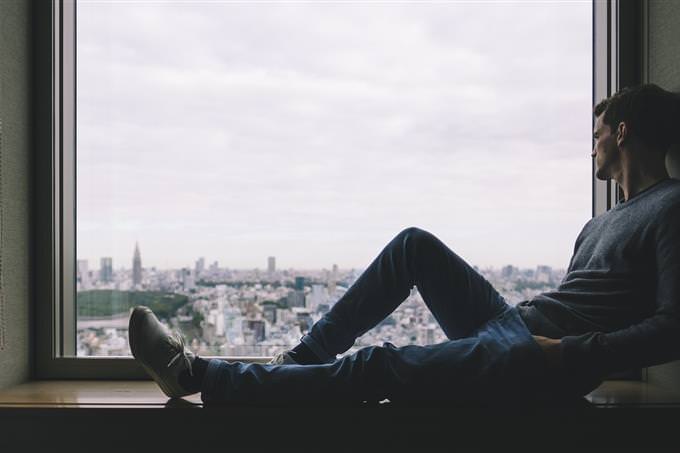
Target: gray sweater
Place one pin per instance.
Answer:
(618, 306)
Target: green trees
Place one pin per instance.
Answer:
(110, 302)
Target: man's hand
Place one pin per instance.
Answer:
(553, 351)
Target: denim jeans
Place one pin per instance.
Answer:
(490, 357)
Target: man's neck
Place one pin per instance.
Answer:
(633, 179)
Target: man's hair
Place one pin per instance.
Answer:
(651, 114)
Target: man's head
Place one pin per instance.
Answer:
(642, 120)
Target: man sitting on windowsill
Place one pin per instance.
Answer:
(618, 307)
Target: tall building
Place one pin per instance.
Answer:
(318, 296)
(200, 267)
(333, 280)
(271, 264)
(106, 269)
(83, 277)
(296, 298)
(136, 267)
(300, 283)
(188, 280)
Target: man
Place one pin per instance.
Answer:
(618, 307)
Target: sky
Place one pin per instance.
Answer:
(316, 131)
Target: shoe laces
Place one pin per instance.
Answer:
(182, 354)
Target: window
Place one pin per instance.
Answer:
(237, 164)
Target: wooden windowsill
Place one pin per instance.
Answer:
(137, 416)
(146, 394)
(635, 393)
(124, 394)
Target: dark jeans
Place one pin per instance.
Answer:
(490, 357)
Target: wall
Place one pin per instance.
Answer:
(663, 50)
(16, 182)
(663, 68)
(663, 55)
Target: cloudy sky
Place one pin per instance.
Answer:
(316, 131)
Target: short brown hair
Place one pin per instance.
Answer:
(651, 114)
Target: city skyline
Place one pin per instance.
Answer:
(251, 312)
(106, 266)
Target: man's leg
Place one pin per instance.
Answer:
(500, 364)
(460, 299)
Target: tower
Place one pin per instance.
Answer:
(136, 267)
(83, 275)
(300, 283)
(106, 269)
(200, 267)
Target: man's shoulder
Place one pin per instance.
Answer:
(667, 200)
(671, 190)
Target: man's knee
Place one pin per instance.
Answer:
(416, 235)
(419, 240)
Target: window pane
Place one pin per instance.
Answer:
(239, 164)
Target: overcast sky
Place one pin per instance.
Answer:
(316, 131)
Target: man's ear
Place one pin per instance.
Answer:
(621, 134)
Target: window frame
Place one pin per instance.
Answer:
(55, 186)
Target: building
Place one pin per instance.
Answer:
(271, 265)
(256, 327)
(106, 269)
(188, 280)
(83, 277)
(296, 299)
(200, 267)
(318, 296)
(136, 267)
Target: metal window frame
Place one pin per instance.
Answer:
(619, 32)
(54, 233)
(55, 207)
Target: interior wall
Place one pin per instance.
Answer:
(663, 68)
(663, 49)
(663, 56)
(15, 180)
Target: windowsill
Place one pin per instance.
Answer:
(127, 415)
(616, 393)
(110, 394)
(145, 394)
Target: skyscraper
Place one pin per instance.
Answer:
(136, 267)
(106, 269)
(200, 267)
(83, 275)
(271, 264)
(188, 280)
(333, 280)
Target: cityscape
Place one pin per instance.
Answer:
(253, 312)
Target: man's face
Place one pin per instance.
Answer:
(605, 151)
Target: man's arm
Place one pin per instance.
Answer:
(653, 340)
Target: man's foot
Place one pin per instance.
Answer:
(282, 358)
(160, 351)
(299, 355)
